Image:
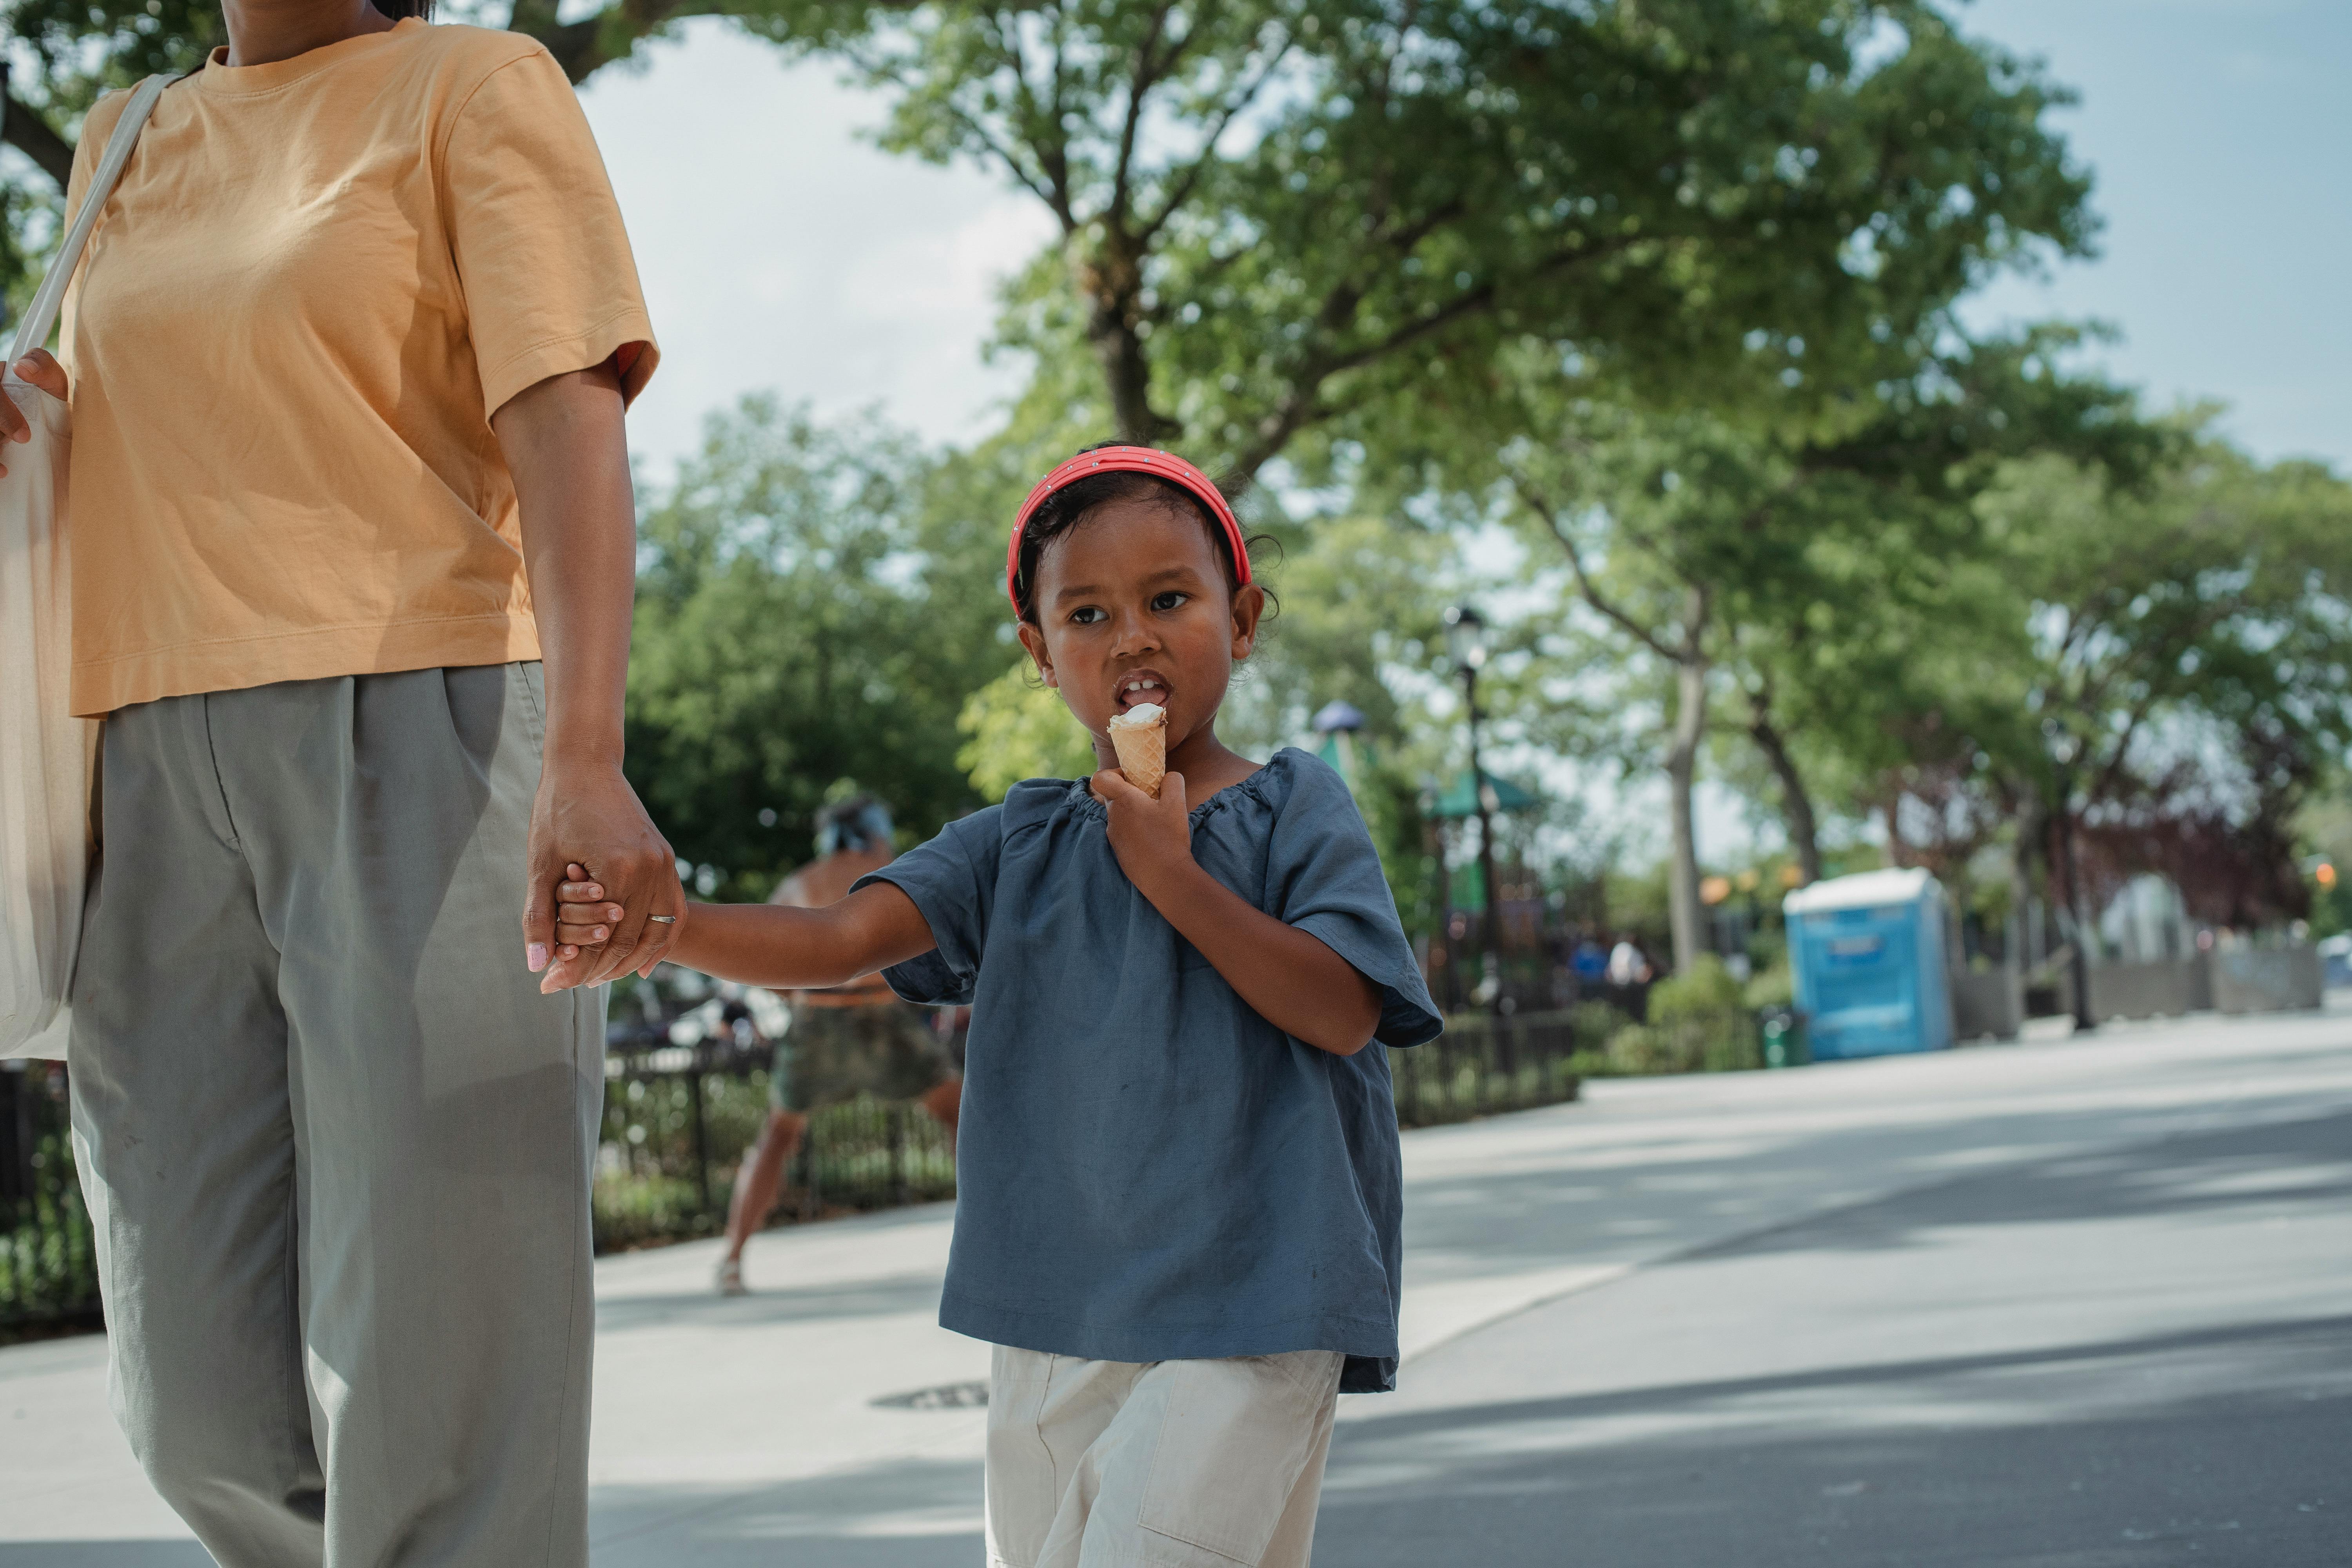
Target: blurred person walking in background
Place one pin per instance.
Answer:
(844, 1040)
(347, 362)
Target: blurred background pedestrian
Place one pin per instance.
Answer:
(842, 1041)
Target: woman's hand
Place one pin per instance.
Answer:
(39, 369)
(1152, 838)
(587, 820)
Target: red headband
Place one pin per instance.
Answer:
(1130, 459)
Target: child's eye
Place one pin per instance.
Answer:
(1169, 600)
(1086, 616)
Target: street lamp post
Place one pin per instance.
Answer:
(1465, 645)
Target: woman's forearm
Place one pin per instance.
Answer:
(567, 447)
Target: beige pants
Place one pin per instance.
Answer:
(1170, 1464)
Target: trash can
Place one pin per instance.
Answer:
(1868, 956)
(1784, 1037)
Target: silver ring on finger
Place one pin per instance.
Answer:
(663, 919)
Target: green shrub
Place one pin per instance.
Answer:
(1593, 1025)
(1700, 1021)
(1773, 987)
(1644, 1050)
(1707, 987)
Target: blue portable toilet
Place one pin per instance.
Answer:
(1867, 952)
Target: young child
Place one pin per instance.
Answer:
(1177, 1187)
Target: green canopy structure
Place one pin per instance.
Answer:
(1459, 799)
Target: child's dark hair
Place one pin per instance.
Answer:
(1066, 508)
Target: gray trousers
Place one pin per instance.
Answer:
(336, 1144)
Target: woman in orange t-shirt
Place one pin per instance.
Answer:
(348, 358)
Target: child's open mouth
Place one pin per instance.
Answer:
(1140, 686)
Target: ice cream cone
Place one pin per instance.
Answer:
(1139, 735)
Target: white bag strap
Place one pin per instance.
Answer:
(42, 313)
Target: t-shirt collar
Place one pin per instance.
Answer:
(219, 77)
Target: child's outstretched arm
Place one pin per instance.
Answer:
(775, 945)
(1295, 982)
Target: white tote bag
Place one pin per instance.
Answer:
(47, 755)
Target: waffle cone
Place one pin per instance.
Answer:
(1142, 756)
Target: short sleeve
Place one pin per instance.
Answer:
(550, 283)
(97, 128)
(1324, 876)
(953, 881)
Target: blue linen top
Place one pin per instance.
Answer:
(1146, 1169)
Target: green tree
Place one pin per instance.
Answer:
(2145, 662)
(1018, 728)
(1747, 542)
(790, 634)
(2184, 688)
(1293, 216)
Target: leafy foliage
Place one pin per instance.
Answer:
(787, 637)
(1018, 730)
(1287, 216)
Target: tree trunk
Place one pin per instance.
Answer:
(1111, 280)
(2032, 831)
(1796, 801)
(1682, 772)
(23, 128)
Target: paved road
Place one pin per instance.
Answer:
(2073, 1304)
(2139, 1355)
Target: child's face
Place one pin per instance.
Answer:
(1133, 608)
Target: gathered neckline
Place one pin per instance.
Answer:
(1253, 788)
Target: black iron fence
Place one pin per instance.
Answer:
(1483, 1065)
(679, 1118)
(49, 1262)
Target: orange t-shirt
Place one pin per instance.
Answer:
(316, 281)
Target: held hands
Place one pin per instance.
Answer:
(1152, 838)
(587, 828)
(585, 918)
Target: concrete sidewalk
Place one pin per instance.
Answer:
(747, 1431)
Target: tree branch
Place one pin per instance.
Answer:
(1052, 152)
(1181, 191)
(1147, 75)
(1535, 501)
(31, 134)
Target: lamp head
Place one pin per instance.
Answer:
(1466, 637)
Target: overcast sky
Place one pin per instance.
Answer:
(781, 251)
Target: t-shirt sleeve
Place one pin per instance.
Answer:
(97, 129)
(550, 283)
(953, 881)
(1325, 878)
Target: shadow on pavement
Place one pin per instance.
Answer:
(1508, 1218)
(2307, 1161)
(2322, 1346)
(2250, 1481)
(2097, 1424)
(103, 1554)
(910, 1513)
(862, 1299)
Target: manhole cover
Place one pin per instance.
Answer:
(947, 1397)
